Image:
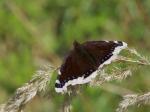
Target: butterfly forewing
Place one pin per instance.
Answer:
(100, 50)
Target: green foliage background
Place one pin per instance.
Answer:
(34, 32)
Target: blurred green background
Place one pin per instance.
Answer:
(35, 32)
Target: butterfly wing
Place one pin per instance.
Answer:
(104, 50)
(80, 69)
(73, 71)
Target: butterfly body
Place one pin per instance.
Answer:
(83, 61)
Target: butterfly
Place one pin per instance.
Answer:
(82, 62)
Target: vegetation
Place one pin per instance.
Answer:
(40, 32)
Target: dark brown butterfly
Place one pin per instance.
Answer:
(84, 59)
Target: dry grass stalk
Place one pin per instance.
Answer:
(118, 74)
(67, 108)
(28, 91)
(121, 73)
(2, 107)
(141, 59)
(133, 99)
